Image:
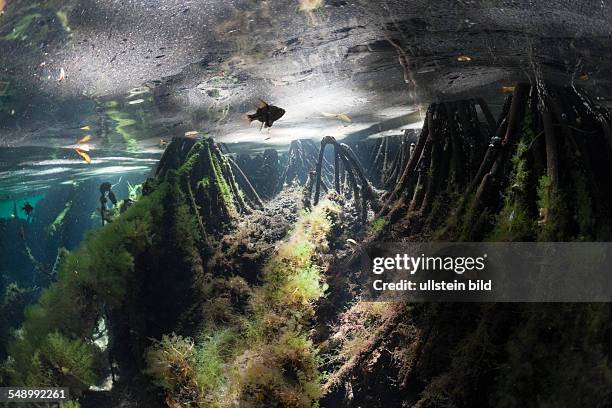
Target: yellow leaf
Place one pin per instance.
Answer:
(83, 155)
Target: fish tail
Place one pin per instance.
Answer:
(251, 117)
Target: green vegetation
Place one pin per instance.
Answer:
(134, 191)
(260, 355)
(185, 370)
(514, 222)
(62, 16)
(69, 404)
(13, 301)
(377, 226)
(54, 345)
(211, 183)
(224, 188)
(21, 27)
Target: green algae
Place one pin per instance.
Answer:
(21, 27)
(90, 279)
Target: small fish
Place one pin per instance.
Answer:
(84, 139)
(62, 75)
(84, 155)
(507, 89)
(351, 242)
(464, 58)
(267, 114)
(340, 116)
(27, 208)
(584, 77)
(86, 128)
(191, 133)
(136, 101)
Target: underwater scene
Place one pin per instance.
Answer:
(193, 193)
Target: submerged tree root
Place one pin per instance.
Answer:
(346, 163)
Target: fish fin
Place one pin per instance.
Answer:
(251, 117)
(262, 103)
(262, 125)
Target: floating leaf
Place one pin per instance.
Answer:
(83, 155)
(85, 139)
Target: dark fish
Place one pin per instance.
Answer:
(27, 208)
(267, 114)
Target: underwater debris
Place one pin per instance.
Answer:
(267, 114)
(340, 116)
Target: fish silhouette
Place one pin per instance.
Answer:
(28, 209)
(267, 114)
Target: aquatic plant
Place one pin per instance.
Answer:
(377, 226)
(260, 354)
(90, 279)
